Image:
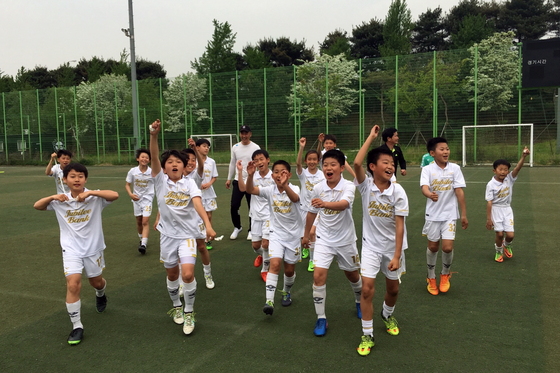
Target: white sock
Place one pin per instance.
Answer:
(173, 290)
(266, 261)
(311, 250)
(140, 235)
(367, 327)
(319, 297)
(499, 249)
(446, 260)
(74, 313)
(259, 251)
(207, 269)
(271, 283)
(101, 292)
(189, 293)
(507, 243)
(357, 289)
(387, 311)
(431, 258)
(144, 241)
(289, 282)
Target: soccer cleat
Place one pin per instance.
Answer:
(311, 266)
(101, 303)
(391, 324)
(263, 276)
(499, 257)
(444, 283)
(177, 314)
(321, 327)
(358, 310)
(188, 325)
(142, 249)
(432, 286)
(268, 307)
(209, 246)
(235, 233)
(249, 236)
(209, 281)
(365, 345)
(508, 252)
(75, 336)
(304, 253)
(258, 261)
(286, 299)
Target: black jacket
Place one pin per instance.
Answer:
(398, 156)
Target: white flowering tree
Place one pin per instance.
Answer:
(182, 96)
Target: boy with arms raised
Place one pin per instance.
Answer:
(81, 237)
(182, 220)
(385, 206)
(331, 204)
(499, 192)
(286, 229)
(64, 158)
(442, 183)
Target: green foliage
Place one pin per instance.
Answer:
(472, 29)
(182, 99)
(218, 56)
(284, 52)
(366, 39)
(336, 43)
(528, 19)
(397, 30)
(429, 32)
(254, 58)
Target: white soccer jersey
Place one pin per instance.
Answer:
(443, 181)
(260, 207)
(178, 218)
(285, 218)
(142, 183)
(210, 172)
(500, 193)
(308, 181)
(379, 211)
(243, 153)
(195, 177)
(81, 231)
(58, 174)
(335, 227)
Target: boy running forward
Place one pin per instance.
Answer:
(140, 187)
(64, 157)
(308, 178)
(209, 177)
(81, 237)
(182, 221)
(260, 210)
(331, 204)
(385, 206)
(442, 184)
(286, 229)
(499, 192)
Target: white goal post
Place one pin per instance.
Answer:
(496, 146)
(210, 137)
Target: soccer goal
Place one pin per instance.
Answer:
(219, 142)
(482, 145)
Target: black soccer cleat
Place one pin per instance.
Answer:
(75, 336)
(101, 303)
(142, 249)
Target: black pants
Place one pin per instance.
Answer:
(236, 198)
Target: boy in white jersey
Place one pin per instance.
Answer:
(260, 210)
(64, 158)
(499, 192)
(328, 142)
(331, 204)
(384, 208)
(81, 237)
(308, 178)
(182, 220)
(286, 229)
(140, 187)
(209, 177)
(442, 184)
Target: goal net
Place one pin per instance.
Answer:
(482, 145)
(219, 142)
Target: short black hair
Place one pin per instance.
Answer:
(374, 155)
(143, 150)
(177, 154)
(62, 152)
(336, 154)
(330, 137)
(499, 162)
(313, 152)
(388, 132)
(431, 145)
(78, 167)
(283, 163)
(202, 141)
(260, 151)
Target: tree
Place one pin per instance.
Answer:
(473, 29)
(219, 56)
(366, 39)
(254, 58)
(6, 82)
(397, 30)
(148, 70)
(284, 52)
(182, 98)
(528, 19)
(311, 88)
(336, 43)
(429, 33)
(457, 13)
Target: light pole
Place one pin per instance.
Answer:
(129, 32)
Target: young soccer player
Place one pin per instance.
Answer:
(64, 157)
(328, 142)
(331, 204)
(442, 183)
(81, 237)
(308, 178)
(499, 192)
(260, 210)
(384, 207)
(140, 187)
(209, 177)
(286, 229)
(182, 221)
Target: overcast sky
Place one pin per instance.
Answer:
(51, 32)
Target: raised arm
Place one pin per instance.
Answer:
(299, 162)
(48, 170)
(154, 147)
(517, 168)
(241, 182)
(285, 182)
(199, 158)
(249, 186)
(359, 160)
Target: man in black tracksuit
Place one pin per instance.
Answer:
(390, 137)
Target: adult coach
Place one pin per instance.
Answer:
(390, 137)
(243, 151)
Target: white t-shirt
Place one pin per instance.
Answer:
(379, 211)
(500, 193)
(210, 172)
(443, 181)
(335, 227)
(285, 218)
(260, 207)
(195, 177)
(243, 153)
(178, 218)
(81, 231)
(308, 181)
(58, 174)
(142, 183)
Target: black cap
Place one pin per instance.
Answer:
(245, 129)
